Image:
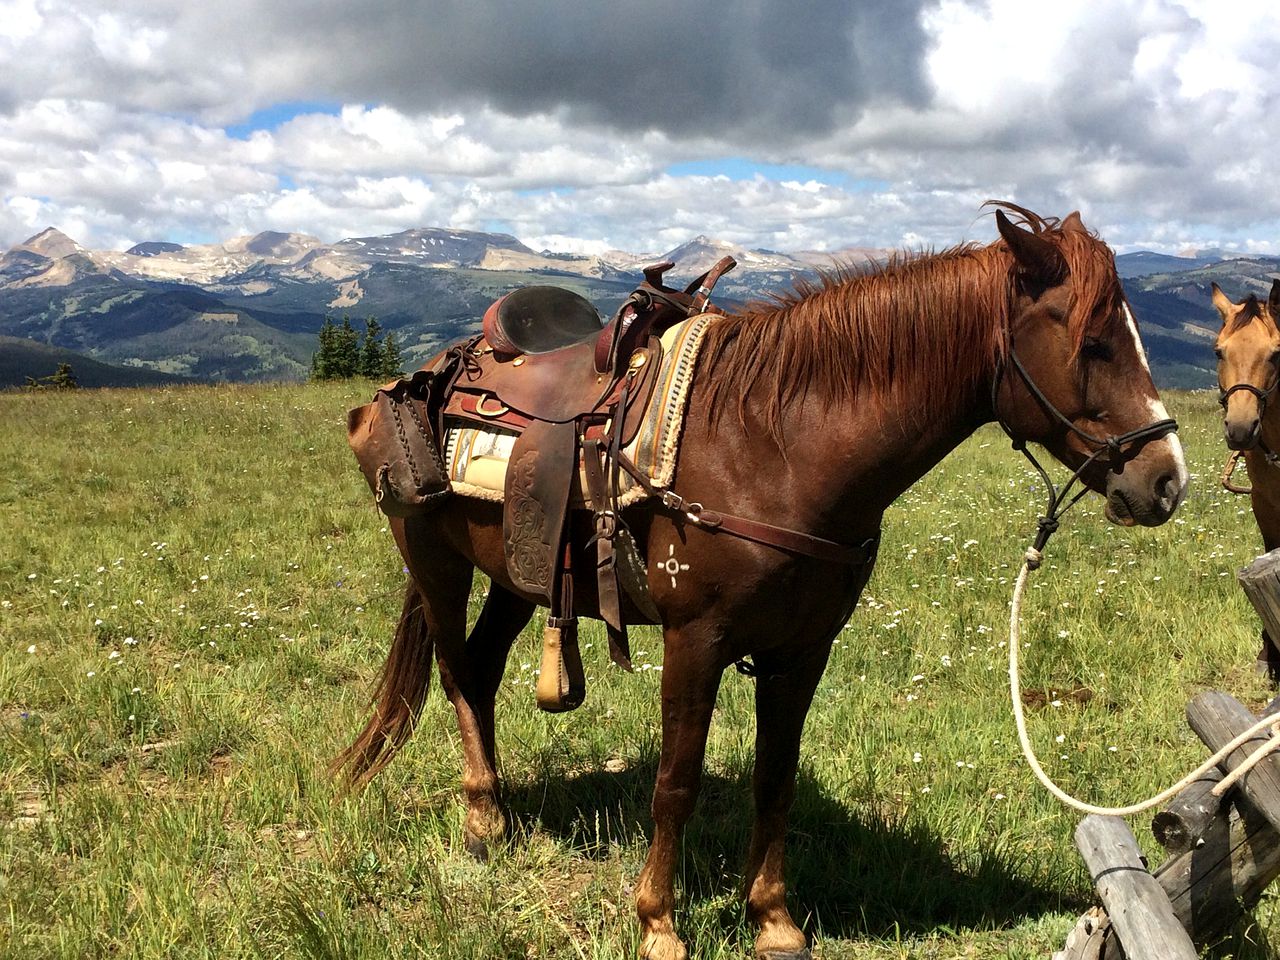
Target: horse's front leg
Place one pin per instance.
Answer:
(1266, 513)
(784, 692)
(690, 681)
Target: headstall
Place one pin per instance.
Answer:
(1118, 448)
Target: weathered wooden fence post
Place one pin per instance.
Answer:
(1140, 912)
(1260, 581)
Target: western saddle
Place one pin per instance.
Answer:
(575, 391)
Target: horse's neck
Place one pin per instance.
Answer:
(906, 443)
(851, 460)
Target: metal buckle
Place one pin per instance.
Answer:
(606, 524)
(693, 512)
(481, 411)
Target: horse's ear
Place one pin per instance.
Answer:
(1037, 258)
(1273, 301)
(1224, 305)
(1073, 222)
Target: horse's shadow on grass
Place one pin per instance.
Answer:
(859, 876)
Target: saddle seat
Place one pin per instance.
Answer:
(561, 386)
(546, 355)
(539, 319)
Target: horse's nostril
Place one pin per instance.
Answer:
(1242, 436)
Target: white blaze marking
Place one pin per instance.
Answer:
(1156, 407)
(1132, 326)
(1180, 461)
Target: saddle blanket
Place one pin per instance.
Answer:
(476, 455)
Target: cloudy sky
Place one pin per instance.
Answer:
(588, 126)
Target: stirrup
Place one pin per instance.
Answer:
(562, 685)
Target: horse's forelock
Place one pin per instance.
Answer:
(1098, 300)
(1249, 311)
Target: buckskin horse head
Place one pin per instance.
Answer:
(1248, 352)
(813, 412)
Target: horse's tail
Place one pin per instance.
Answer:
(398, 699)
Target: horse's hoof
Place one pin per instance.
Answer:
(477, 848)
(663, 947)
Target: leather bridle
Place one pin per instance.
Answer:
(1263, 395)
(1117, 448)
(1268, 454)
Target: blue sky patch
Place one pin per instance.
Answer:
(740, 168)
(545, 191)
(278, 114)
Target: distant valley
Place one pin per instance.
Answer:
(249, 308)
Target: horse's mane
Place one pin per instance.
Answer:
(930, 322)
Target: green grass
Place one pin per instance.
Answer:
(206, 593)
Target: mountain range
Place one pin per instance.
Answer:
(249, 308)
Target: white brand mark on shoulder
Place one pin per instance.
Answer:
(672, 565)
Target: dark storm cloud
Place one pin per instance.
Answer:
(763, 69)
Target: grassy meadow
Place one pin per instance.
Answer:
(196, 593)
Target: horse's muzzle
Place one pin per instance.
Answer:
(1242, 434)
(1149, 490)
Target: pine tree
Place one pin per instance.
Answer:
(391, 364)
(346, 353)
(63, 378)
(323, 360)
(343, 354)
(371, 350)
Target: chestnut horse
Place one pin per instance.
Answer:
(813, 412)
(1248, 352)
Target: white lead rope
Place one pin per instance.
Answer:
(1031, 562)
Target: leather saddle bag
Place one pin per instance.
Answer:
(394, 440)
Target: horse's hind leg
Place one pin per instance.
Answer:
(444, 580)
(472, 687)
(782, 701)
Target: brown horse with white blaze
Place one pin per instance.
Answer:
(1248, 352)
(814, 412)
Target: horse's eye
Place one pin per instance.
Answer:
(1217, 353)
(1275, 358)
(1094, 349)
